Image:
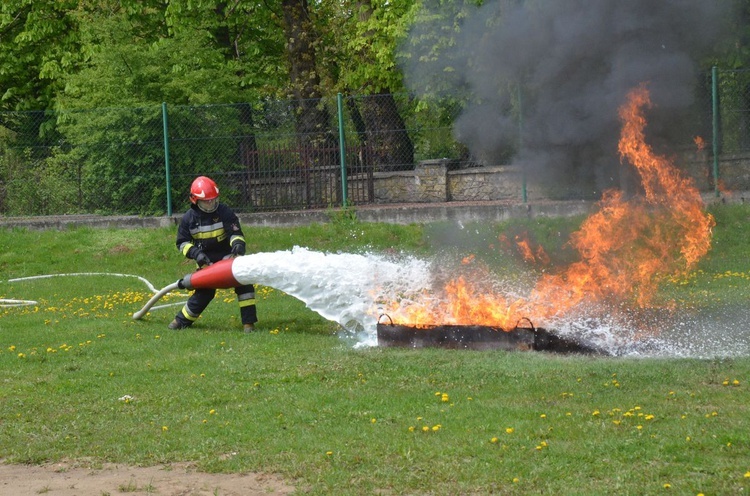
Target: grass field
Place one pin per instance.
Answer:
(80, 380)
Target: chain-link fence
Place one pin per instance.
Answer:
(266, 155)
(732, 100)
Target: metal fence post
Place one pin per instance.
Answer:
(524, 196)
(715, 124)
(342, 151)
(166, 157)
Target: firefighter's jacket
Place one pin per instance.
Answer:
(212, 233)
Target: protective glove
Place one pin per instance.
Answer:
(202, 259)
(238, 249)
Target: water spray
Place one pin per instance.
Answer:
(341, 287)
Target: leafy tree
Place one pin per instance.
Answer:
(378, 28)
(38, 47)
(120, 147)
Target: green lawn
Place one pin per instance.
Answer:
(79, 379)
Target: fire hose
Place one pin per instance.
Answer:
(9, 302)
(218, 275)
(150, 303)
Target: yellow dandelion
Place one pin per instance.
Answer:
(373, 420)
(494, 440)
(164, 428)
(747, 474)
(667, 485)
(436, 427)
(411, 428)
(212, 412)
(509, 430)
(595, 413)
(735, 382)
(425, 428)
(516, 480)
(544, 416)
(329, 453)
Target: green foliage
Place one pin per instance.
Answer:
(38, 46)
(48, 188)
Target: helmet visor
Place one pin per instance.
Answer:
(208, 206)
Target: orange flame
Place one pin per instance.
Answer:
(529, 253)
(625, 249)
(525, 248)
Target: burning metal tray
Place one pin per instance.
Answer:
(478, 337)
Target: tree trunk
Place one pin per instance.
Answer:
(312, 118)
(386, 135)
(247, 147)
(317, 143)
(391, 146)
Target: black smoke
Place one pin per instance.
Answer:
(563, 67)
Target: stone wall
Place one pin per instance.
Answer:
(435, 181)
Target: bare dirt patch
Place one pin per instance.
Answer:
(178, 479)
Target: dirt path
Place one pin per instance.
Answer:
(178, 479)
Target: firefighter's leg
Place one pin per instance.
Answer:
(193, 308)
(246, 299)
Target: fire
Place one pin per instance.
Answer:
(625, 249)
(529, 253)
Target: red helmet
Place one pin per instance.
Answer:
(205, 194)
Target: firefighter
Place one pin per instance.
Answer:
(208, 232)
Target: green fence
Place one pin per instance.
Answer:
(266, 155)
